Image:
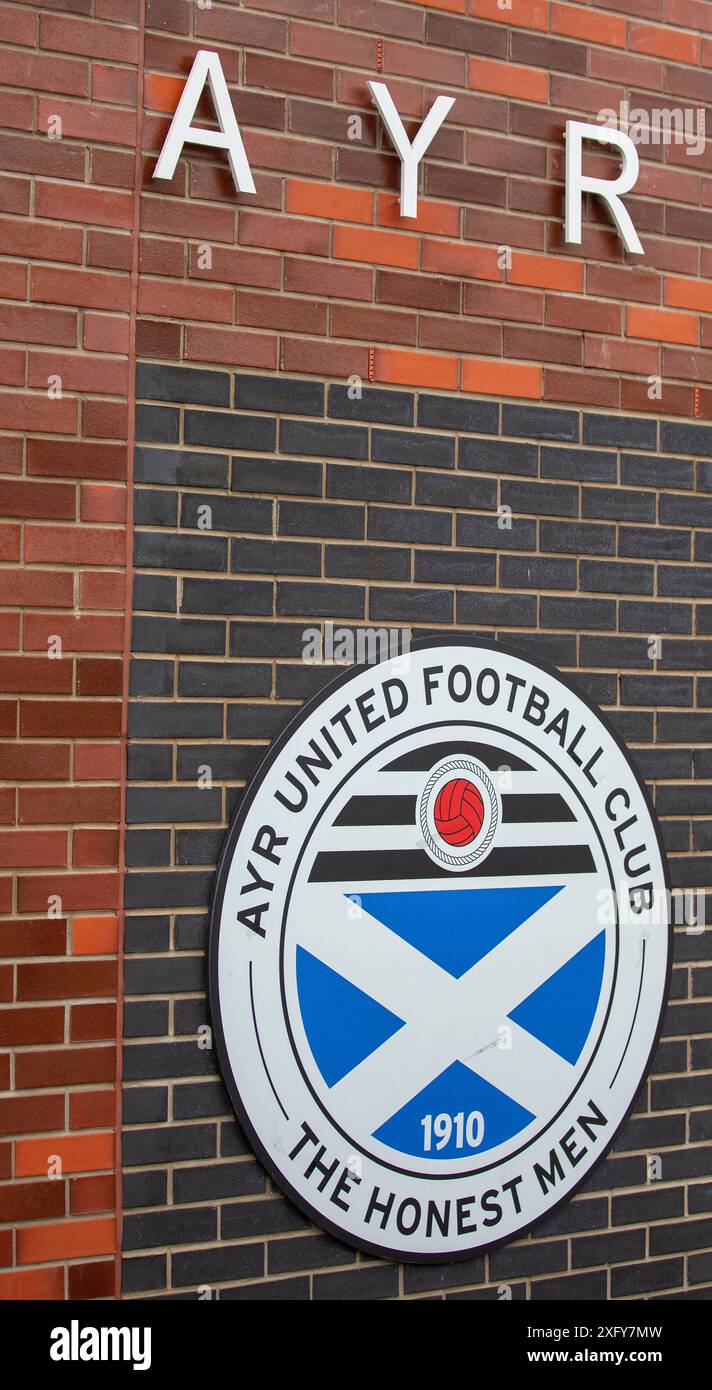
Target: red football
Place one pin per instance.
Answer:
(459, 812)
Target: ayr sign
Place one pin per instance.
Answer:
(439, 949)
(207, 70)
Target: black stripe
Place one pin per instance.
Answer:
(378, 810)
(422, 759)
(358, 866)
(517, 809)
(544, 806)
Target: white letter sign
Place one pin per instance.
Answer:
(207, 67)
(608, 189)
(410, 155)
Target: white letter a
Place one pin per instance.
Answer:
(207, 66)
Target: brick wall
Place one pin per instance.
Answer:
(385, 510)
(316, 278)
(317, 267)
(66, 213)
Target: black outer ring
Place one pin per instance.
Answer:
(221, 874)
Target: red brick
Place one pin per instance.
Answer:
(30, 1201)
(42, 73)
(97, 762)
(89, 1022)
(32, 674)
(68, 805)
(330, 201)
(102, 589)
(377, 248)
(79, 1153)
(41, 1284)
(99, 677)
(231, 345)
(83, 545)
(95, 848)
(34, 762)
(65, 1240)
(89, 121)
(33, 850)
(58, 458)
(33, 936)
(415, 369)
(106, 333)
(508, 79)
(20, 1027)
(107, 504)
(87, 1109)
(664, 43)
(332, 281)
(91, 289)
(70, 718)
(30, 499)
(92, 1194)
(28, 1115)
(29, 323)
(281, 312)
(64, 1066)
(77, 634)
(80, 891)
(67, 34)
(95, 1279)
(662, 325)
(502, 378)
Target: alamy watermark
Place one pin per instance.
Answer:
(360, 646)
(658, 126)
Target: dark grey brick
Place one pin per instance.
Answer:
(268, 1291)
(176, 1226)
(581, 465)
(281, 394)
(156, 424)
(656, 690)
(374, 1282)
(227, 762)
(277, 476)
(617, 504)
(647, 1277)
(180, 468)
(147, 1189)
(144, 1105)
(409, 526)
(604, 577)
(486, 533)
(230, 596)
(146, 934)
(217, 1264)
(455, 490)
(649, 470)
(143, 1273)
(410, 605)
(454, 567)
(198, 846)
(218, 678)
(616, 652)
(497, 610)
(314, 438)
(367, 562)
(149, 762)
(156, 381)
(171, 804)
(571, 1286)
(167, 974)
(458, 413)
(654, 1205)
(171, 1144)
(497, 456)
(275, 557)
(540, 499)
(536, 572)
(520, 1260)
(535, 422)
(418, 450)
(621, 430)
(270, 639)
(306, 1252)
(422, 1278)
(151, 678)
(578, 613)
(653, 542)
(144, 847)
(685, 438)
(230, 431)
(207, 1182)
(155, 593)
(174, 636)
(322, 519)
(578, 537)
(155, 507)
(321, 600)
(226, 513)
(173, 719)
(368, 484)
(655, 617)
(266, 1217)
(683, 1236)
(382, 407)
(154, 550)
